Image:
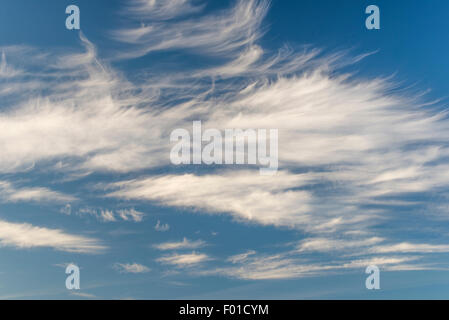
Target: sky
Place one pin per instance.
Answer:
(85, 172)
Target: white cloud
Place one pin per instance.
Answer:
(67, 209)
(161, 10)
(247, 195)
(103, 215)
(184, 260)
(326, 245)
(83, 295)
(10, 193)
(24, 235)
(64, 264)
(372, 245)
(216, 33)
(241, 257)
(288, 265)
(340, 256)
(265, 267)
(406, 247)
(161, 227)
(130, 214)
(379, 261)
(240, 65)
(106, 215)
(131, 268)
(184, 244)
(7, 71)
(88, 122)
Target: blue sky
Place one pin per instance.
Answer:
(85, 172)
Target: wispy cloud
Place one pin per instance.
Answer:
(184, 244)
(406, 247)
(67, 209)
(241, 257)
(373, 245)
(161, 10)
(93, 99)
(287, 265)
(24, 235)
(106, 215)
(269, 268)
(336, 257)
(64, 264)
(6, 71)
(246, 195)
(131, 268)
(84, 295)
(161, 227)
(184, 260)
(131, 214)
(326, 245)
(217, 33)
(11, 193)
